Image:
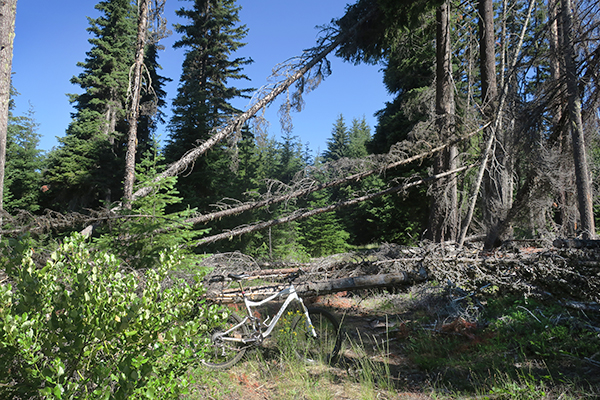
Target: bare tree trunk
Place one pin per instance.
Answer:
(443, 217)
(8, 12)
(497, 188)
(488, 146)
(322, 288)
(135, 85)
(582, 175)
(565, 200)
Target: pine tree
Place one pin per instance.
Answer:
(203, 100)
(24, 163)
(337, 144)
(358, 137)
(88, 166)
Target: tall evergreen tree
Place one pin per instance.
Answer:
(204, 96)
(337, 144)
(88, 166)
(24, 164)
(358, 137)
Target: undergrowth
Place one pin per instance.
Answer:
(512, 348)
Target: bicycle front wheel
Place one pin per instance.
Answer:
(325, 346)
(223, 353)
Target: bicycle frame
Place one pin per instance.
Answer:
(291, 294)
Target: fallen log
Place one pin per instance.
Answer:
(576, 244)
(320, 288)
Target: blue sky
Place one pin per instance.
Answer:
(51, 38)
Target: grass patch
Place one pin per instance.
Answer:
(433, 347)
(518, 348)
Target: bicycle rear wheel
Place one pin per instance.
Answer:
(326, 345)
(222, 353)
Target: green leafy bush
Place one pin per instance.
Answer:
(83, 327)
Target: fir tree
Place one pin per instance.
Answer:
(87, 167)
(24, 163)
(204, 97)
(337, 145)
(358, 137)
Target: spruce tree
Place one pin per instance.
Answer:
(87, 167)
(24, 163)
(337, 144)
(204, 96)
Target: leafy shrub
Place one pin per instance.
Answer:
(83, 327)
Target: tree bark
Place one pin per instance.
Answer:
(443, 217)
(135, 85)
(321, 288)
(497, 187)
(582, 175)
(8, 12)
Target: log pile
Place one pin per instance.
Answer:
(563, 272)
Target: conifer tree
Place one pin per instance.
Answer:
(337, 144)
(204, 96)
(358, 137)
(88, 166)
(24, 163)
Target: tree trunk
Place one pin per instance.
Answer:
(321, 288)
(443, 217)
(497, 189)
(135, 85)
(488, 146)
(8, 12)
(582, 175)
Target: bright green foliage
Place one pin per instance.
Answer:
(24, 163)
(203, 100)
(141, 234)
(84, 327)
(279, 161)
(358, 135)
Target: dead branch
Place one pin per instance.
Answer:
(488, 146)
(337, 182)
(301, 214)
(236, 123)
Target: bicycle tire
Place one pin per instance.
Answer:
(222, 354)
(326, 346)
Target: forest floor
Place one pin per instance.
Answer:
(425, 343)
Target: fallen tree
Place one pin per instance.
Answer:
(321, 288)
(566, 274)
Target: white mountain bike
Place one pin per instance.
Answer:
(314, 333)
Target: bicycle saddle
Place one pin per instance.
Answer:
(237, 277)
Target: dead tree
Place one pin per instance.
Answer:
(134, 112)
(491, 135)
(236, 124)
(582, 175)
(443, 217)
